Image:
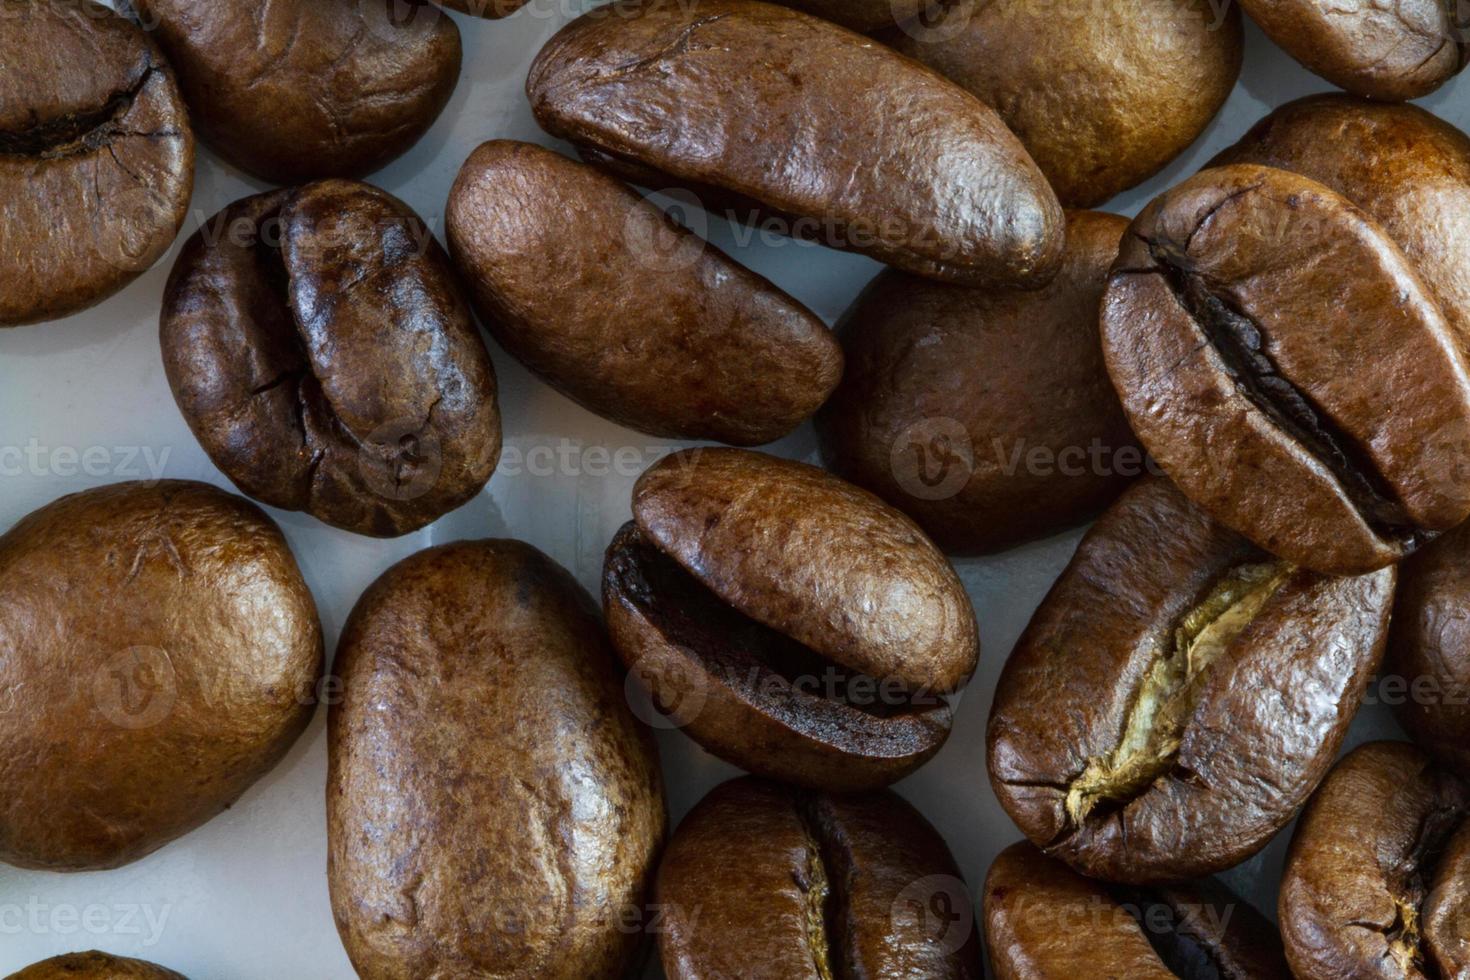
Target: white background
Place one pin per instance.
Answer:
(245, 897)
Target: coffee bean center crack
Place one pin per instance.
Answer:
(82, 132)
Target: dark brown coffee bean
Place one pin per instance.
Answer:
(94, 966)
(856, 144)
(860, 15)
(762, 880)
(159, 653)
(1283, 361)
(1374, 885)
(986, 415)
(1102, 95)
(1178, 694)
(636, 318)
(1392, 51)
(1409, 170)
(295, 90)
(493, 808)
(793, 624)
(320, 348)
(1043, 920)
(96, 157)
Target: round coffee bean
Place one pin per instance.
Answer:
(320, 349)
(761, 880)
(1178, 694)
(295, 90)
(96, 157)
(1285, 364)
(793, 624)
(94, 966)
(986, 415)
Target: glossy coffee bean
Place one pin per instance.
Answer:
(985, 414)
(762, 880)
(159, 653)
(94, 966)
(321, 350)
(296, 90)
(636, 318)
(96, 157)
(493, 808)
(1178, 694)
(1102, 95)
(1375, 884)
(1284, 362)
(1408, 169)
(1044, 921)
(841, 139)
(791, 623)
(860, 15)
(1387, 51)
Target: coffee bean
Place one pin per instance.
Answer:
(761, 880)
(492, 805)
(1178, 694)
(1102, 95)
(1044, 920)
(94, 966)
(295, 90)
(320, 348)
(96, 157)
(633, 316)
(839, 139)
(986, 415)
(1282, 360)
(1374, 885)
(1392, 51)
(795, 625)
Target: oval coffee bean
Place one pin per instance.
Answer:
(1428, 674)
(791, 623)
(860, 15)
(159, 653)
(859, 147)
(629, 314)
(1103, 96)
(1043, 920)
(1178, 694)
(762, 880)
(493, 807)
(1388, 51)
(94, 966)
(986, 415)
(1409, 170)
(1374, 880)
(295, 90)
(319, 346)
(1282, 360)
(96, 157)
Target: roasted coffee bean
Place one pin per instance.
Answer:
(1391, 51)
(94, 966)
(1178, 694)
(860, 15)
(1409, 170)
(159, 653)
(1427, 678)
(1284, 363)
(96, 157)
(793, 624)
(493, 808)
(295, 90)
(1102, 95)
(986, 415)
(762, 880)
(632, 316)
(320, 348)
(1375, 880)
(844, 140)
(1043, 920)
